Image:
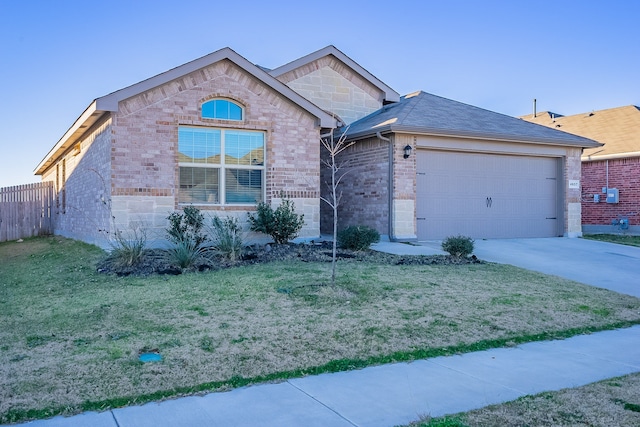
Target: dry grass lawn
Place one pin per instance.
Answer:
(71, 337)
(611, 403)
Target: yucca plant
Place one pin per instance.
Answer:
(227, 237)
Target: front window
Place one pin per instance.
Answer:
(220, 166)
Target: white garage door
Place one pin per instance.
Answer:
(486, 195)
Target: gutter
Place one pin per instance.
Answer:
(588, 143)
(611, 156)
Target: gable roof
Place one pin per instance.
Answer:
(109, 103)
(424, 113)
(390, 95)
(618, 128)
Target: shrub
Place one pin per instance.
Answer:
(186, 226)
(458, 246)
(128, 250)
(185, 232)
(282, 225)
(358, 237)
(227, 237)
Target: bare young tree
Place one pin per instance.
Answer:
(333, 149)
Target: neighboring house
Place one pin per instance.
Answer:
(222, 134)
(611, 173)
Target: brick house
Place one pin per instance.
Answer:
(610, 173)
(465, 171)
(222, 134)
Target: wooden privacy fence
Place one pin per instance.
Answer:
(26, 211)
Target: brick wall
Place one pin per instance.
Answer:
(365, 188)
(145, 141)
(623, 174)
(81, 181)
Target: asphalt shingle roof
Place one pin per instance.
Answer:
(422, 112)
(618, 128)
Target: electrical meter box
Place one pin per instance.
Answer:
(612, 195)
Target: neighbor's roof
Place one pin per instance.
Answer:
(389, 94)
(109, 102)
(618, 128)
(424, 113)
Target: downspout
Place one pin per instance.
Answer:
(390, 181)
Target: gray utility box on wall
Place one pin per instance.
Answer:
(612, 195)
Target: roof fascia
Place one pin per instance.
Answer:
(84, 118)
(595, 158)
(390, 95)
(588, 143)
(110, 102)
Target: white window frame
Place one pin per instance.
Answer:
(223, 167)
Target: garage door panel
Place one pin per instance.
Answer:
(485, 195)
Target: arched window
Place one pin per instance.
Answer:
(221, 109)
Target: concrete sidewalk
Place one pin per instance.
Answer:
(392, 394)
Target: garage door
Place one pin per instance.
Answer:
(486, 195)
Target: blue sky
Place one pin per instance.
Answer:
(57, 56)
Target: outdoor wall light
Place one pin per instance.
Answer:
(407, 151)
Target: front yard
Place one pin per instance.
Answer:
(71, 336)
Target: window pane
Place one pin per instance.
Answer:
(243, 186)
(244, 148)
(207, 110)
(198, 185)
(221, 109)
(199, 145)
(235, 112)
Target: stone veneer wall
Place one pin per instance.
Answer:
(573, 211)
(623, 174)
(334, 87)
(144, 177)
(365, 188)
(82, 185)
(404, 188)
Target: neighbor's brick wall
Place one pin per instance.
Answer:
(145, 139)
(83, 203)
(624, 174)
(334, 87)
(365, 188)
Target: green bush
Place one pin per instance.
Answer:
(282, 225)
(185, 232)
(186, 226)
(358, 237)
(458, 246)
(227, 237)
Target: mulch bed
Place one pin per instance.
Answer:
(158, 261)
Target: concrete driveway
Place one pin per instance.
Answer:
(605, 265)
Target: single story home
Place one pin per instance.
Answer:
(223, 134)
(610, 185)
